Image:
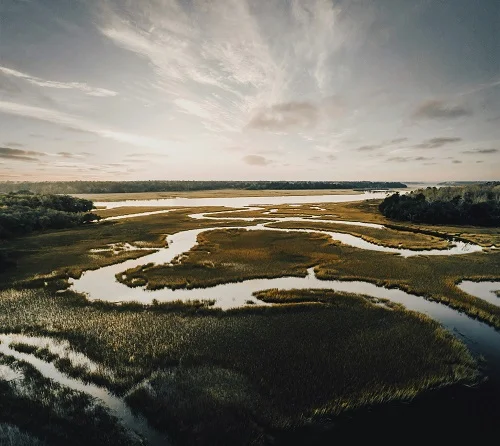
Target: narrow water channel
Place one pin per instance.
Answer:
(117, 406)
(101, 284)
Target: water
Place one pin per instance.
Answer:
(238, 202)
(116, 405)
(101, 285)
(484, 290)
(217, 216)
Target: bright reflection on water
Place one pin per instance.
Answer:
(238, 202)
(101, 284)
(485, 290)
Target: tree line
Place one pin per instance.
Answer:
(477, 205)
(22, 213)
(99, 187)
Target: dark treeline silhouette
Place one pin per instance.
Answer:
(470, 205)
(22, 213)
(99, 187)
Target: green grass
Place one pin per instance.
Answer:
(244, 372)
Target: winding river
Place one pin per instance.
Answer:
(101, 285)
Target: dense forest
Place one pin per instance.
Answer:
(470, 205)
(99, 187)
(24, 212)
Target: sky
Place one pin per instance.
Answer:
(386, 90)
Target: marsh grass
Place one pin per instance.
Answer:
(367, 211)
(40, 408)
(223, 256)
(238, 371)
(11, 435)
(232, 255)
(382, 237)
(433, 277)
(66, 253)
(265, 363)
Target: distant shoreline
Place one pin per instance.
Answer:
(223, 193)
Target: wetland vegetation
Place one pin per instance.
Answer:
(251, 375)
(217, 374)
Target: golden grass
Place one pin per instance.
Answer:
(383, 237)
(232, 255)
(367, 211)
(216, 377)
(223, 193)
(67, 251)
(128, 210)
(235, 255)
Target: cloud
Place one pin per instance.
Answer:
(323, 159)
(79, 86)
(285, 116)
(150, 154)
(403, 159)
(69, 121)
(19, 155)
(436, 109)
(398, 140)
(295, 115)
(256, 160)
(457, 162)
(368, 148)
(220, 61)
(482, 151)
(398, 159)
(434, 143)
(71, 155)
(14, 144)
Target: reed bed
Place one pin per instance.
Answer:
(250, 371)
(68, 252)
(382, 237)
(223, 256)
(37, 409)
(231, 255)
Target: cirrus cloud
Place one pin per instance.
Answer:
(79, 86)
